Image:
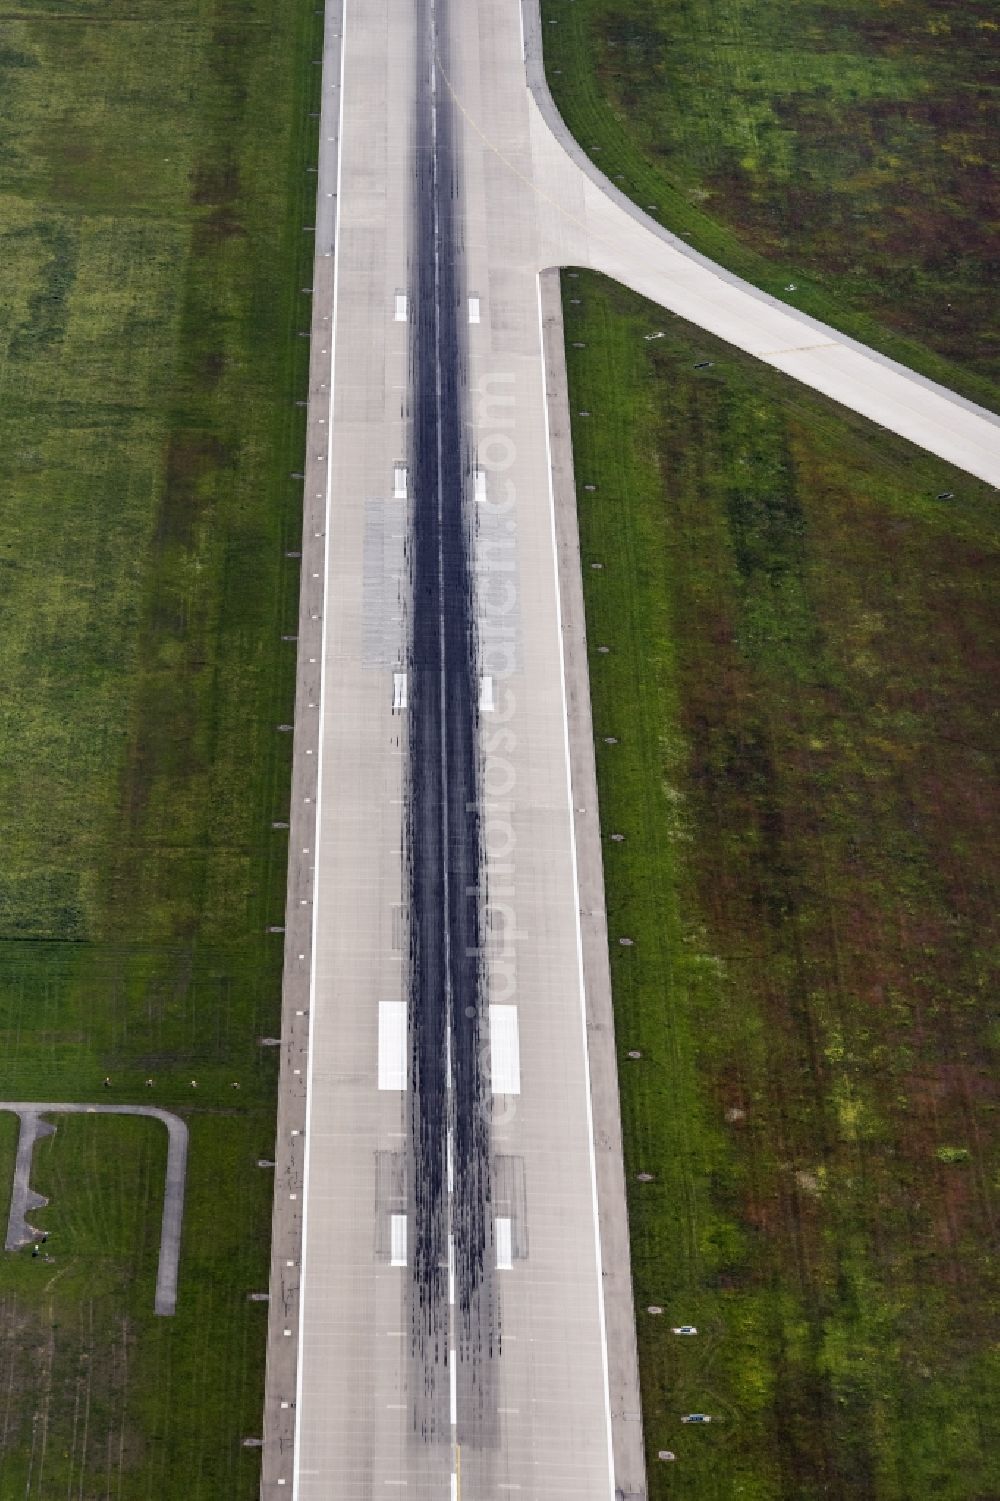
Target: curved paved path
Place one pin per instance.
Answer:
(23, 1197)
(586, 221)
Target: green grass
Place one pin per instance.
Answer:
(153, 193)
(846, 149)
(801, 642)
(103, 1385)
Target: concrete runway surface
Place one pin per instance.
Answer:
(451, 1308)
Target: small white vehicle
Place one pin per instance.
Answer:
(684, 1329)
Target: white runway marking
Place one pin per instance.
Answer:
(397, 1240)
(399, 482)
(486, 703)
(505, 1257)
(399, 690)
(400, 307)
(392, 1044)
(579, 936)
(505, 1050)
(473, 309)
(300, 1344)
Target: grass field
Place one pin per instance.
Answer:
(843, 149)
(153, 194)
(801, 639)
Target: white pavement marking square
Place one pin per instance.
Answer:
(505, 1256)
(397, 1240)
(486, 703)
(400, 309)
(392, 1044)
(505, 1052)
(473, 309)
(399, 482)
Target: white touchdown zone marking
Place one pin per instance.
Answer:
(505, 1051)
(392, 1045)
(505, 1250)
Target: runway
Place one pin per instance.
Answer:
(450, 1295)
(447, 1305)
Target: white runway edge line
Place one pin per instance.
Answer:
(303, 1270)
(576, 901)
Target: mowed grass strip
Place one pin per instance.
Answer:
(154, 192)
(839, 156)
(792, 637)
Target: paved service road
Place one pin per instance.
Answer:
(23, 1198)
(450, 1297)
